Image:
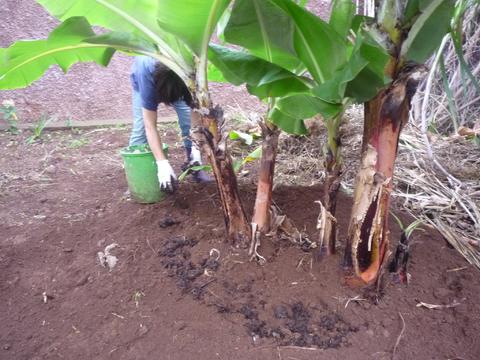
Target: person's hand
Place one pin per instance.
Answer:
(166, 176)
(196, 156)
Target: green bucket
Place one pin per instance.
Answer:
(141, 172)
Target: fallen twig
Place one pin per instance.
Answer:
(436, 306)
(458, 269)
(119, 316)
(399, 336)
(302, 348)
(151, 247)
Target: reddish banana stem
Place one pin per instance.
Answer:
(368, 234)
(263, 200)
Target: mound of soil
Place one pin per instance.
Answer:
(179, 291)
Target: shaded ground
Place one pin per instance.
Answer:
(171, 296)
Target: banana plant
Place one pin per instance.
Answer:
(265, 31)
(341, 17)
(287, 35)
(267, 81)
(410, 32)
(175, 33)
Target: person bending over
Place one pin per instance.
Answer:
(154, 83)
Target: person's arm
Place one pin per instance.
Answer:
(165, 173)
(153, 137)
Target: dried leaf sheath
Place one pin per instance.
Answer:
(206, 130)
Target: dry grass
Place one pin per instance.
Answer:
(299, 161)
(449, 201)
(450, 206)
(300, 158)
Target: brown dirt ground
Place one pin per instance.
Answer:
(63, 200)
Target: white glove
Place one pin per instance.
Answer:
(166, 176)
(196, 156)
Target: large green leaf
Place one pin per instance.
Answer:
(287, 123)
(26, 61)
(413, 9)
(278, 88)
(135, 45)
(138, 17)
(302, 3)
(239, 135)
(428, 30)
(265, 30)
(359, 91)
(368, 82)
(126, 42)
(304, 106)
(318, 45)
(215, 74)
(367, 62)
(264, 79)
(341, 16)
(333, 90)
(193, 21)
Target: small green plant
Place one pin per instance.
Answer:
(120, 126)
(476, 140)
(38, 129)
(184, 174)
(77, 143)
(137, 296)
(399, 264)
(9, 112)
(69, 123)
(237, 164)
(408, 230)
(239, 135)
(253, 156)
(247, 138)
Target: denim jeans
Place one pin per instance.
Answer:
(138, 135)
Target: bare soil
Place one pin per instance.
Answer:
(179, 291)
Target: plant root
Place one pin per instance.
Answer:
(325, 224)
(399, 336)
(254, 245)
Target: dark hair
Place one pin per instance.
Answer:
(170, 87)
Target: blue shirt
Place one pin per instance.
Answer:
(143, 82)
